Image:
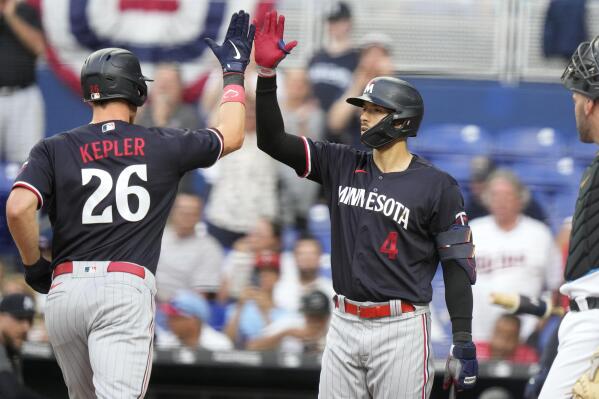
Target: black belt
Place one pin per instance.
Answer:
(592, 303)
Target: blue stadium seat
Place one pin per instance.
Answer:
(319, 225)
(452, 139)
(548, 175)
(530, 142)
(457, 166)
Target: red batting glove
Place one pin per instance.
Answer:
(269, 47)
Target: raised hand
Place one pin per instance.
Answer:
(270, 48)
(234, 53)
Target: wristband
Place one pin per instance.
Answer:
(266, 72)
(233, 93)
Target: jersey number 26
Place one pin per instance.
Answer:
(122, 191)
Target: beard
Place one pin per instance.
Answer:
(308, 274)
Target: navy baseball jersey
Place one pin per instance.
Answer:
(383, 224)
(108, 187)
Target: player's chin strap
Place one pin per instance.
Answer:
(456, 244)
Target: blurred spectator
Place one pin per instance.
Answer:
(165, 107)
(245, 188)
(189, 259)
(306, 278)
(21, 103)
(187, 315)
(255, 308)
(303, 117)
(514, 253)
(16, 316)
(505, 343)
(239, 264)
(331, 68)
(343, 121)
(480, 169)
(14, 283)
(304, 334)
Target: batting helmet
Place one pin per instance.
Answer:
(582, 73)
(400, 97)
(113, 73)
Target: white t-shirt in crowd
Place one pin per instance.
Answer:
(524, 260)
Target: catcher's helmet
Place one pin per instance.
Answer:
(400, 97)
(582, 73)
(113, 73)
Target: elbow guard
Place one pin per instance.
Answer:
(456, 245)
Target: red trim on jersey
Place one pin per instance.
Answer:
(40, 199)
(149, 5)
(308, 159)
(221, 140)
(425, 372)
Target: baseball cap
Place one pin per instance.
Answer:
(19, 306)
(315, 303)
(188, 304)
(376, 39)
(267, 260)
(339, 12)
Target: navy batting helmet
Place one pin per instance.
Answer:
(402, 99)
(113, 73)
(582, 73)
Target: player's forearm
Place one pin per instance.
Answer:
(458, 297)
(270, 129)
(31, 37)
(22, 223)
(231, 113)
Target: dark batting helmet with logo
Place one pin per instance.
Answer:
(405, 103)
(113, 73)
(582, 73)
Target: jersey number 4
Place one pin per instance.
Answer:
(122, 192)
(389, 247)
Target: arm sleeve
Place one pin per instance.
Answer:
(270, 130)
(37, 174)
(198, 148)
(458, 297)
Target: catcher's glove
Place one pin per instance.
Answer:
(587, 386)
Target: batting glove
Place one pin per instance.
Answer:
(270, 48)
(461, 368)
(234, 53)
(39, 275)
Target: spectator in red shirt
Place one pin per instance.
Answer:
(505, 343)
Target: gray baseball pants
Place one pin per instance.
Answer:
(101, 327)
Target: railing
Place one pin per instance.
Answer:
(474, 39)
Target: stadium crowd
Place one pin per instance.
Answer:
(245, 256)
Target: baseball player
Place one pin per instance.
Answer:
(108, 188)
(393, 217)
(579, 330)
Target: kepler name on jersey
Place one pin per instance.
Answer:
(375, 202)
(128, 147)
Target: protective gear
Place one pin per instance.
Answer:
(456, 244)
(582, 73)
(270, 48)
(39, 275)
(402, 99)
(113, 73)
(587, 386)
(461, 368)
(234, 54)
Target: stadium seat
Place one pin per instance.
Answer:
(319, 225)
(457, 166)
(548, 175)
(530, 142)
(453, 139)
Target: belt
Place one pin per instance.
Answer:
(372, 311)
(592, 303)
(124, 267)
